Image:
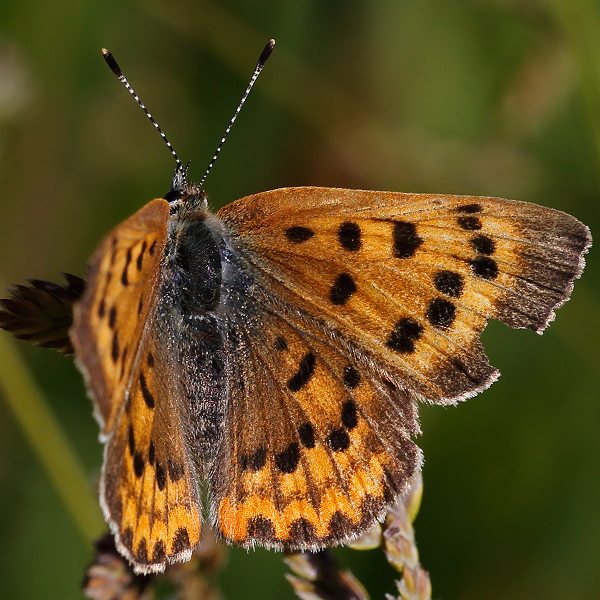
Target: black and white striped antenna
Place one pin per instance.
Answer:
(114, 67)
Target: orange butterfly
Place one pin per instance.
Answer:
(277, 351)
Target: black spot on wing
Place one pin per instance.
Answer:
(115, 351)
(351, 377)
(304, 373)
(261, 529)
(338, 440)
(307, 435)
(302, 530)
(159, 554)
(113, 256)
(484, 267)
(441, 313)
(255, 461)
(147, 395)
(342, 289)
(402, 338)
(138, 464)
(349, 236)
(141, 555)
(349, 415)
(482, 244)
(449, 283)
(287, 461)
(140, 258)
(339, 525)
(406, 240)
(469, 208)
(469, 223)
(181, 541)
(161, 476)
(297, 235)
(151, 453)
(131, 440)
(124, 277)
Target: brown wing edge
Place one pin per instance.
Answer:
(554, 262)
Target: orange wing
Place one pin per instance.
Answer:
(316, 443)
(148, 489)
(119, 299)
(408, 281)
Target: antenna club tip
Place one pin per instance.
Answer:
(266, 52)
(111, 62)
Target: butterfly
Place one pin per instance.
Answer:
(261, 367)
(277, 350)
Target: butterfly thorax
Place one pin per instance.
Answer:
(193, 260)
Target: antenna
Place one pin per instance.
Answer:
(259, 67)
(114, 67)
(180, 175)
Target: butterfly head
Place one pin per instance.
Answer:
(183, 193)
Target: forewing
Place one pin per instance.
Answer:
(410, 280)
(118, 302)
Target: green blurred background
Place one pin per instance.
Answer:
(493, 97)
